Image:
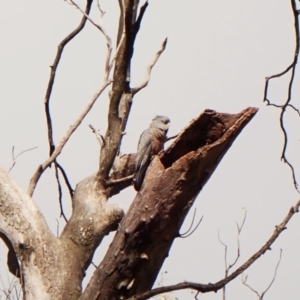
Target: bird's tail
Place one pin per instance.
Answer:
(139, 177)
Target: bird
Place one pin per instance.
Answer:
(151, 142)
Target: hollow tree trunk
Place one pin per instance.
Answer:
(173, 180)
(53, 268)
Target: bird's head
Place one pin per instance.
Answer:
(161, 122)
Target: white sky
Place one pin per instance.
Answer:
(217, 57)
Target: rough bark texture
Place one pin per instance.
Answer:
(53, 268)
(44, 263)
(173, 180)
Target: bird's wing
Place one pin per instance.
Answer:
(143, 144)
(141, 166)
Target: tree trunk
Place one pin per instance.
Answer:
(53, 268)
(172, 182)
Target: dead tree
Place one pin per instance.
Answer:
(52, 267)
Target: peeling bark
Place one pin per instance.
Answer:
(50, 267)
(173, 180)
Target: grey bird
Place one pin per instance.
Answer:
(151, 143)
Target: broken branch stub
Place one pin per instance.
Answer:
(173, 180)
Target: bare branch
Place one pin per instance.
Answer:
(67, 182)
(99, 137)
(99, 27)
(214, 287)
(171, 137)
(138, 22)
(12, 292)
(225, 252)
(226, 264)
(14, 158)
(274, 277)
(292, 68)
(244, 281)
(149, 69)
(121, 174)
(188, 232)
(261, 296)
(60, 194)
(121, 180)
(127, 32)
(102, 13)
(53, 67)
(57, 151)
(228, 267)
(107, 37)
(193, 219)
(36, 176)
(240, 228)
(294, 108)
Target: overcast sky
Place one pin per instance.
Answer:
(217, 57)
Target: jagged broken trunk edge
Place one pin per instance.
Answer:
(172, 182)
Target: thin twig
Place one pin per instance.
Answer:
(261, 296)
(53, 67)
(193, 219)
(116, 181)
(107, 82)
(214, 287)
(99, 137)
(294, 108)
(103, 31)
(189, 232)
(239, 229)
(62, 214)
(66, 179)
(244, 281)
(99, 27)
(102, 12)
(292, 68)
(171, 137)
(36, 176)
(14, 158)
(274, 276)
(148, 72)
(226, 264)
(228, 267)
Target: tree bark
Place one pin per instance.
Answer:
(172, 182)
(53, 268)
(50, 267)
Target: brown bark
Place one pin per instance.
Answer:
(50, 267)
(173, 180)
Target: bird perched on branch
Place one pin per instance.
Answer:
(151, 143)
